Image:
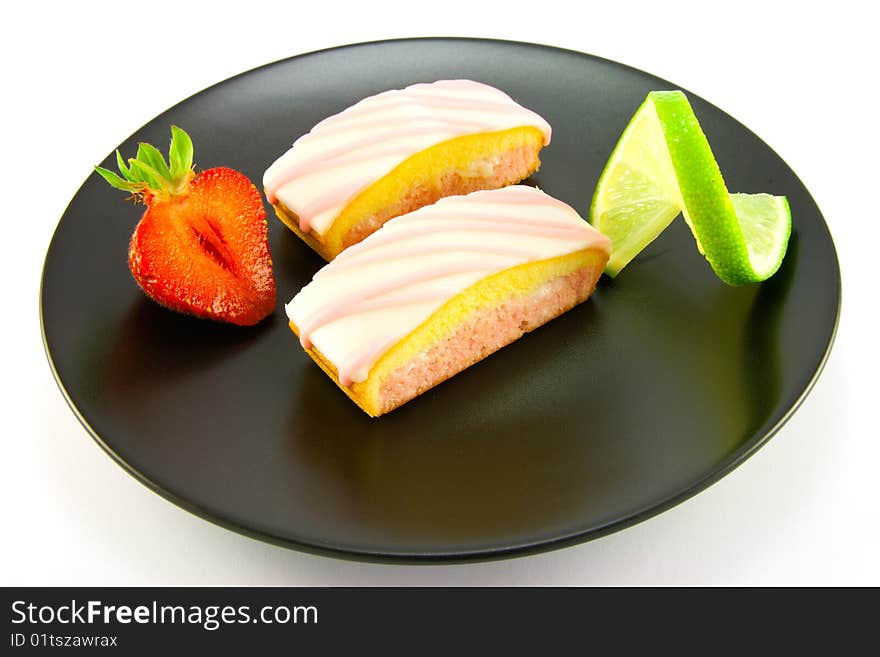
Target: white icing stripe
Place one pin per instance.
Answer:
(345, 153)
(380, 290)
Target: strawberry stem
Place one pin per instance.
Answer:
(149, 174)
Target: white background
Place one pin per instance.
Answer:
(77, 81)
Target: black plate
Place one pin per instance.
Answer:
(625, 406)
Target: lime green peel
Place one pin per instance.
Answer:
(663, 166)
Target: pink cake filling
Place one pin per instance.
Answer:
(485, 332)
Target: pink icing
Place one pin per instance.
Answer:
(522, 194)
(407, 251)
(488, 225)
(366, 300)
(342, 191)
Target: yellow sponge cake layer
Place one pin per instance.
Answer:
(439, 289)
(397, 151)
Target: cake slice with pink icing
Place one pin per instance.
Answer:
(439, 289)
(397, 151)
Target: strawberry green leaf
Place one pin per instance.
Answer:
(123, 169)
(150, 155)
(118, 182)
(180, 154)
(146, 173)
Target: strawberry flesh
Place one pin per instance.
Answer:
(206, 252)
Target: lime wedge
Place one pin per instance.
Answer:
(663, 166)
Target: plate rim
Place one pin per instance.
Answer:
(712, 476)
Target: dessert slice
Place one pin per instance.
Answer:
(439, 289)
(397, 151)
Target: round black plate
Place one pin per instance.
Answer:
(660, 384)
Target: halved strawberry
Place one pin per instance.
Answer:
(201, 247)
